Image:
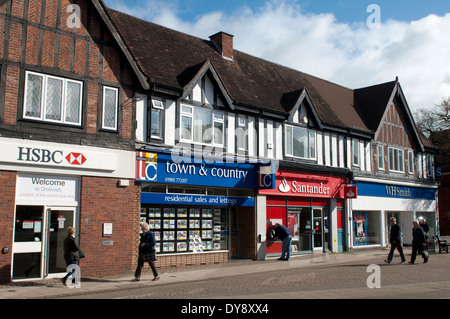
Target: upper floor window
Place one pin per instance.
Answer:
(355, 152)
(157, 119)
(200, 125)
(380, 153)
(396, 162)
(300, 142)
(241, 134)
(410, 162)
(52, 99)
(110, 108)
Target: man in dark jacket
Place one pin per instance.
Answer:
(395, 240)
(419, 243)
(285, 236)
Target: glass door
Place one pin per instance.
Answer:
(318, 229)
(59, 219)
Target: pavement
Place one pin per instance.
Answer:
(53, 288)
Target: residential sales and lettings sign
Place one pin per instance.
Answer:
(172, 169)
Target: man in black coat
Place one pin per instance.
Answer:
(419, 243)
(395, 240)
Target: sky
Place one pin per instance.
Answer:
(353, 43)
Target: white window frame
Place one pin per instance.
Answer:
(158, 107)
(410, 162)
(311, 135)
(116, 107)
(380, 154)
(397, 154)
(63, 101)
(217, 118)
(356, 155)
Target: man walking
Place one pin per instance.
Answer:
(395, 240)
(419, 243)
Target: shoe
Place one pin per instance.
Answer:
(280, 258)
(286, 259)
(156, 278)
(410, 262)
(387, 261)
(136, 279)
(403, 262)
(425, 261)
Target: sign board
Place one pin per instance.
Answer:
(46, 188)
(172, 169)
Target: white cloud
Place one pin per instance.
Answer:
(351, 55)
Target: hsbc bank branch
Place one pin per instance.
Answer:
(48, 187)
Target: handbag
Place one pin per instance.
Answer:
(80, 254)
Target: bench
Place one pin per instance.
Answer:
(443, 244)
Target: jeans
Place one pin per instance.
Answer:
(397, 245)
(286, 247)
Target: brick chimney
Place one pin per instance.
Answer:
(224, 42)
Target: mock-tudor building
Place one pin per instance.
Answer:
(115, 120)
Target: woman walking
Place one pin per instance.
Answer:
(147, 252)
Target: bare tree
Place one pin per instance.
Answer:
(434, 120)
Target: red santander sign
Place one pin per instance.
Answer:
(309, 185)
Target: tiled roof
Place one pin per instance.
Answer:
(171, 58)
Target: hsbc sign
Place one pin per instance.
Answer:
(40, 157)
(46, 156)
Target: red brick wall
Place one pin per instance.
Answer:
(8, 194)
(90, 55)
(247, 232)
(102, 201)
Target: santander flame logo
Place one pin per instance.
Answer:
(284, 187)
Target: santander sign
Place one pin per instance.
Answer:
(306, 185)
(304, 188)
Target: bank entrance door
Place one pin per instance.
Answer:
(39, 234)
(58, 222)
(299, 224)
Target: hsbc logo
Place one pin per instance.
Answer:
(40, 155)
(76, 158)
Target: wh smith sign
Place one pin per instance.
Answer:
(170, 169)
(394, 191)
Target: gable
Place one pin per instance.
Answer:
(397, 126)
(205, 87)
(303, 111)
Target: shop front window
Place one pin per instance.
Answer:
(299, 224)
(187, 228)
(366, 228)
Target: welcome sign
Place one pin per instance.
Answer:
(173, 169)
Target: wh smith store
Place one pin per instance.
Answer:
(201, 210)
(378, 201)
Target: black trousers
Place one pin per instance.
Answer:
(415, 250)
(397, 245)
(140, 265)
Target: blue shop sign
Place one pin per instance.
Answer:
(189, 199)
(169, 168)
(395, 191)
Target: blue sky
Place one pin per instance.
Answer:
(346, 11)
(330, 39)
